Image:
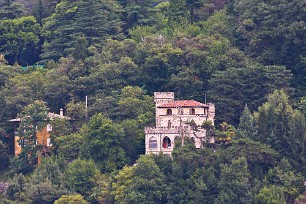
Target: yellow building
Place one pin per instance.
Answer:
(43, 137)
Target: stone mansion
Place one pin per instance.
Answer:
(173, 119)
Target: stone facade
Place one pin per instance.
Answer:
(173, 118)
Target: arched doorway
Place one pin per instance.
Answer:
(166, 142)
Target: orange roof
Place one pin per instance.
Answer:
(183, 103)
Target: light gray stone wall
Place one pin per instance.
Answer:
(178, 124)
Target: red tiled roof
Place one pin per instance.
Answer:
(183, 103)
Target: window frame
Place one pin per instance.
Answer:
(152, 143)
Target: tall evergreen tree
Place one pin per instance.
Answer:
(138, 12)
(282, 127)
(177, 13)
(94, 20)
(246, 128)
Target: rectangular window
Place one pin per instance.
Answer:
(153, 144)
(49, 144)
(49, 128)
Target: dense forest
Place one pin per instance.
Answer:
(102, 60)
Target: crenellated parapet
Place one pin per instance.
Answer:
(161, 130)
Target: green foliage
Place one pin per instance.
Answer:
(254, 82)
(301, 199)
(16, 187)
(64, 84)
(69, 146)
(246, 128)
(176, 13)
(157, 60)
(260, 157)
(191, 175)
(291, 183)
(144, 183)
(77, 112)
(60, 127)
(10, 9)
(44, 192)
(80, 176)
(102, 142)
(45, 185)
(133, 102)
(217, 23)
(302, 105)
(138, 13)
(271, 33)
(282, 127)
(33, 118)
(4, 162)
(117, 53)
(23, 89)
(19, 39)
(102, 190)
(122, 180)
(71, 199)
(38, 8)
(140, 32)
(94, 20)
(234, 186)
(116, 74)
(270, 195)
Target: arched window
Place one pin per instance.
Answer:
(166, 142)
(169, 111)
(169, 124)
(152, 143)
(192, 111)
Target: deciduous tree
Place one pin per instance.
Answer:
(19, 39)
(33, 118)
(102, 142)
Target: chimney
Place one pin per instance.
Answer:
(61, 112)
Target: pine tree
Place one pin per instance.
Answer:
(93, 20)
(282, 127)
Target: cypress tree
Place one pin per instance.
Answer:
(246, 128)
